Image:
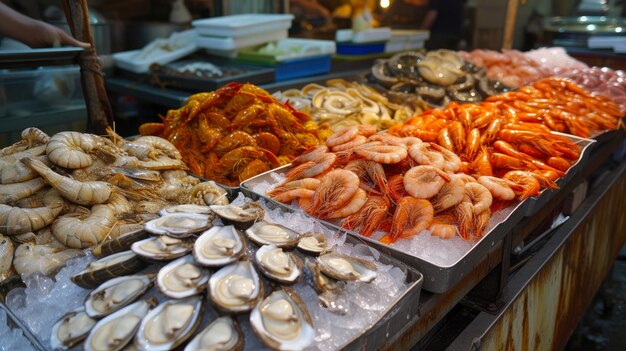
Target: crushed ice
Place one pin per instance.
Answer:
(12, 338)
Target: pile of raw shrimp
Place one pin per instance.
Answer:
(72, 190)
(398, 185)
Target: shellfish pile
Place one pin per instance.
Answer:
(435, 78)
(217, 284)
(72, 190)
(236, 132)
(342, 104)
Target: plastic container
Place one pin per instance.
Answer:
(289, 49)
(235, 43)
(349, 48)
(366, 36)
(126, 60)
(302, 67)
(402, 40)
(242, 25)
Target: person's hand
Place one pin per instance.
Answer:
(41, 34)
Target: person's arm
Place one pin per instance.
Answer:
(32, 32)
(429, 19)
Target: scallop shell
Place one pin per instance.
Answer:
(266, 233)
(71, 329)
(169, 324)
(179, 225)
(219, 246)
(116, 293)
(282, 321)
(161, 248)
(347, 268)
(182, 278)
(222, 334)
(235, 288)
(283, 267)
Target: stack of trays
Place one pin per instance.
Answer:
(225, 35)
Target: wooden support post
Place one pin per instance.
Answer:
(509, 24)
(98, 106)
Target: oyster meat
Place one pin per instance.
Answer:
(182, 278)
(282, 321)
(186, 208)
(283, 267)
(161, 248)
(241, 217)
(180, 224)
(117, 329)
(347, 268)
(235, 288)
(115, 294)
(222, 334)
(219, 246)
(313, 244)
(169, 324)
(71, 329)
(108, 267)
(265, 233)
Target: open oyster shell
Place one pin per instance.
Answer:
(313, 244)
(282, 321)
(186, 208)
(274, 263)
(116, 293)
(116, 265)
(162, 248)
(180, 224)
(241, 217)
(169, 324)
(222, 334)
(182, 278)
(347, 268)
(266, 233)
(117, 329)
(236, 288)
(71, 329)
(219, 246)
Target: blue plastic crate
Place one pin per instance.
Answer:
(300, 67)
(349, 48)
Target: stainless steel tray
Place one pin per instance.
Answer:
(536, 203)
(13, 322)
(438, 279)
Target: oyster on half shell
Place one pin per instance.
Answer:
(274, 263)
(347, 268)
(161, 248)
(116, 293)
(182, 278)
(186, 208)
(236, 288)
(179, 224)
(313, 244)
(71, 329)
(169, 324)
(223, 334)
(219, 246)
(266, 233)
(117, 329)
(282, 321)
(241, 217)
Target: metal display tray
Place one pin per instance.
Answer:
(439, 279)
(395, 317)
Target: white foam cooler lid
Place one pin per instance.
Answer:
(242, 25)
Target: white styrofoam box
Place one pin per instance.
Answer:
(343, 35)
(402, 40)
(366, 36)
(242, 25)
(407, 34)
(234, 43)
(605, 42)
(308, 47)
(128, 61)
(404, 45)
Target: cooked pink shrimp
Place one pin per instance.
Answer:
(343, 136)
(411, 217)
(500, 188)
(315, 167)
(366, 130)
(387, 154)
(353, 206)
(306, 183)
(336, 188)
(369, 217)
(466, 178)
(481, 222)
(423, 155)
(444, 231)
(357, 141)
(410, 141)
(424, 182)
(372, 170)
(464, 213)
(452, 162)
(387, 139)
(450, 194)
(478, 196)
(293, 194)
(309, 156)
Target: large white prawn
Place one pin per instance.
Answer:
(16, 220)
(73, 149)
(79, 231)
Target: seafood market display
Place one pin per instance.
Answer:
(231, 293)
(434, 78)
(605, 81)
(72, 191)
(236, 132)
(343, 104)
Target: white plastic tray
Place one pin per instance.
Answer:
(242, 25)
(126, 59)
(233, 43)
(308, 47)
(367, 36)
